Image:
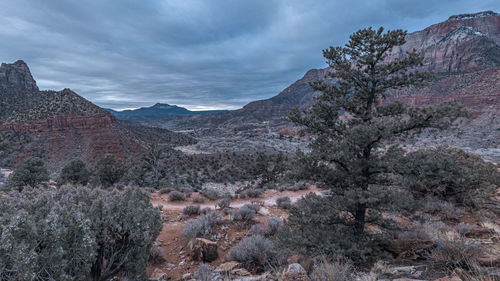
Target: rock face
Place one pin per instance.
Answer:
(463, 51)
(17, 75)
(205, 250)
(56, 125)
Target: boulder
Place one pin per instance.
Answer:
(205, 250)
(295, 272)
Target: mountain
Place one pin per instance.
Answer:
(61, 125)
(157, 112)
(463, 52)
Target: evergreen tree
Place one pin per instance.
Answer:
(31, 172)
(75, 172)
(110, 170)
(352, 123)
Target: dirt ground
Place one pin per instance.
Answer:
(227, 234)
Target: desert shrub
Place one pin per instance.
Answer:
(255, 205)
(451, 249)
(257, 253)
(156, 254)
(201, 226)
(198, 200)
(450, 174)
(252, 193)
(463, 228)
(256, 229)
(176, 196)
(224, 203)
(76, 234)
(165, 190)
(336, 270)
(110, 170)
(210, 193)
(75, 172)
(245, 213)
(207, 273)
(273, 224)
(206, 210)
(30, 172)
(284, 202)
(191, 210)
(316, 226)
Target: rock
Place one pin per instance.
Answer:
(186, 276)
(489, 261)
(228, 266)
(240, 272)
(263, 211)
(480, 232)
(295, 272)
(158, 275)
(205, 250)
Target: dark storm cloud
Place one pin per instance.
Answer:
(200, 54)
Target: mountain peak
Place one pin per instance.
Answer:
(164, 105)
(472, 16)
(17, 74)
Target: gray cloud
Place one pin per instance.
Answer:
(194, 53)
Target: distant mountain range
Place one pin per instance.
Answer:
(157, 112)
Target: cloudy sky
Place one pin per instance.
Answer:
(201, 54)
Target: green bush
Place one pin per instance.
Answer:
(75, 172)
(110, 170)
(31, 172)
(76, 234)
(315, 226)
(450, 174)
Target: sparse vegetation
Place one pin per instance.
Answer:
(191, 210)
(176, 196)
(257, 253)
(284, 202)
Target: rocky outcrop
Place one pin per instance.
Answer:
(17, 75)
(205, 250)
(56, 125)
(295, 272)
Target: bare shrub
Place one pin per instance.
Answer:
(245, 213)
(210, 193)
(165, 190)
(336, 270)
(224, 203)
(252, 193)
(256, 229)
(191, 210)
(273, 224)
(201, 226)
(198, 200)
(156, 254)
(207, 273)
(176, 196)
(257, 253)
(284, 202)
(451, 250)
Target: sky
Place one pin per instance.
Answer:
(200, 54)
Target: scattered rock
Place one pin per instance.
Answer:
(159, 275)
(295, 272)
(186, 276)
(240, 272)
(263, 211)
(205, 250)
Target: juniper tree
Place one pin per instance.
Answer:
(353, 122)
(30, 172)
(75, 172)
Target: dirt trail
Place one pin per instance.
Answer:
(268, 198)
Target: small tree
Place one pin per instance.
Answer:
(151, 161)
(31, 172)
(110, 170)
(352, 123)
(75, 172)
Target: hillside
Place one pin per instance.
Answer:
(463, 50)
(61, 125)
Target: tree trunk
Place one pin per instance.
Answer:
(359, 227)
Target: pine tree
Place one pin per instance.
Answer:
(353, 123)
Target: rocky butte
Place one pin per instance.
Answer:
(56, 125)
